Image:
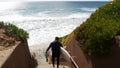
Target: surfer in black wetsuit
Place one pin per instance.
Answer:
(55, 47)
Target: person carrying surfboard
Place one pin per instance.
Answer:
(55, 47)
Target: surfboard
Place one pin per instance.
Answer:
(49, 56)
(67, 57)
(65, 54)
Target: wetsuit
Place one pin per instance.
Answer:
(55, 47)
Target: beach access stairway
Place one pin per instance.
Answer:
(43, 64)
(39, 54)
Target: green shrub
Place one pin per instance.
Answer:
(18, 31)
(66, 38)
(98, 32)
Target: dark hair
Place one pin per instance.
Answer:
(56, 38)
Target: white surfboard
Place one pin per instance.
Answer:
(65, 55)
(49, 56)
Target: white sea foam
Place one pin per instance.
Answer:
(89, 9)
(42, 30)
(17, 17)
(44, 25)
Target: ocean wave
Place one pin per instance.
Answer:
(88, 9)
(42, 28)
(44, 22)
(40, 16)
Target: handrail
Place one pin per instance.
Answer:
(74, 63)
(71, 59)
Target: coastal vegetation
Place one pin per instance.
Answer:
(18, 31)
(14, 29)
(97, 34)
(64, 40)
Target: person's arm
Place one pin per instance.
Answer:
(49, 47)
(47, 51)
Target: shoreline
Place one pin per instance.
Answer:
(38, 51)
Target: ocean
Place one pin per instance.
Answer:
(46, 20)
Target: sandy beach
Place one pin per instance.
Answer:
(39, 53)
